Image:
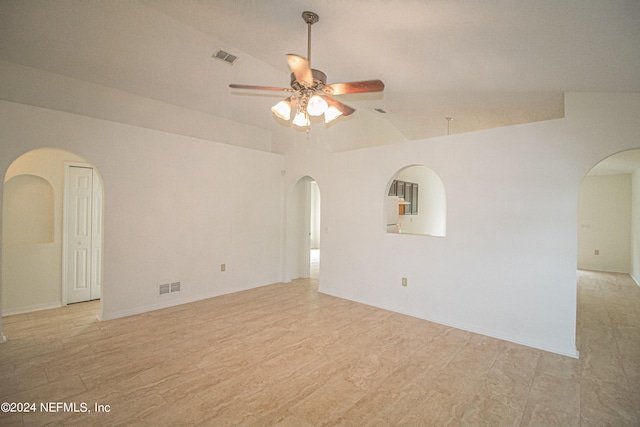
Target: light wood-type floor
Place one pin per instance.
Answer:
(286, 355)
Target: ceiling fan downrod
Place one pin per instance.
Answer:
(310, 18)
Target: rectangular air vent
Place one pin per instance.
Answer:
(225, 56)
(175, 287)
(169, 288)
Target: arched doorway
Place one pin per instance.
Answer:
(608, 262)
(44, 259)
(303, 230)
(609, 215)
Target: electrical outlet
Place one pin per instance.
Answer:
(223, 267)
(596, 252)
(404, 281)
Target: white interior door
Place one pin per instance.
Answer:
(79, 234)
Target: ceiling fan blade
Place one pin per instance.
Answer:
(278, 89)
(354, 87)
(301, 69)
(344, 109)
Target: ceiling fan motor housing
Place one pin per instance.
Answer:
(319, 80)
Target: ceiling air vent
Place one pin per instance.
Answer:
(225, 56)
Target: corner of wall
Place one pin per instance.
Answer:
(635, 227)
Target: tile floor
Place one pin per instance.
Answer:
(314, 263)
(286, 355)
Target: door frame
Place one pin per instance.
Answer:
(65, 214)
(297, 247)
(306, 223)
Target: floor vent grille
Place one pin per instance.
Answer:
(175, 287)
(164, 289)
(169, 288)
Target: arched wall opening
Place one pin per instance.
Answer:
(415, 203)
(35, 265)
(303, 230)
(609, 216)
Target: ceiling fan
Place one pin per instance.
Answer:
(310, 93)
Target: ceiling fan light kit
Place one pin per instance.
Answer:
(310, 93)
(282, 109)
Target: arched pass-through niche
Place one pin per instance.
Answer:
(415, 203)
(28, 210)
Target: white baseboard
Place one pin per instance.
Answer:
(147, 308)
(172, 302)
(31, 309)
(564, 351)
(602, 269)
(634, 278)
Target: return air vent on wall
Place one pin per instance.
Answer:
(168, 288)
(225, 56)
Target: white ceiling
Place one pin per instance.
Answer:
(486, 64)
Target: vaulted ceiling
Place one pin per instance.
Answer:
(486, 64)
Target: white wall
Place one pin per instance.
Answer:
(604, 223)
(314, 211)
(507, 265)
(635, 226)
(176, 207)
(32, 273)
